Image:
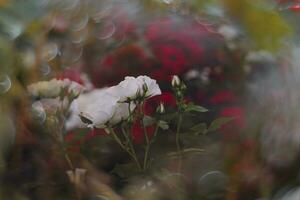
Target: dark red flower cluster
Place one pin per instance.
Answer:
(124, 61)
(167, 46)
(175, 44)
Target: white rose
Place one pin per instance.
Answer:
(131, 88)
(53, 88)
(106, 107)
(152, 87)
(99, 108)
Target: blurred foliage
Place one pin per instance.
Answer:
(259, 19)
(261, 22)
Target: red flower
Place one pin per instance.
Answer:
(137, 133)
(75, 142)
(158, 29)
(232, 129)
(166, 97)
(224, 96)
(158, 74)
(237, 113)
(172, 58)
(295, 8)
(175, 44)
(124, 61)
(73, 74)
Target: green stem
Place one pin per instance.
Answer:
(129, 110)
(153, 140)
(125, 133)
(69, 161)
(60, 144)
(146, 156)
(178, 141)
(147, 148)
(133, 155)
(155, 134)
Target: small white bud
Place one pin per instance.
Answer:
(175, 81)
(145, 88)
(161, 108)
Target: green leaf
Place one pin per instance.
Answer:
(147, 120)
(186, 151)
(199, 128)
(163, 125)
(196, 108)
(217, 123)
(193, 150)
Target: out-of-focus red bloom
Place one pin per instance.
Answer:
(295, 8)
(176, 44)
(249, 144)
(94, 133)
(200, 97)
(233, 128)
(158, 74)
(287, 1)
(225, 96)
(167, 98)
(158, 29)
(124, 61)
(238, 113)
(248, 171)
(73, 74)
(172, 58)
(137, 132)
(75, 142)
(292, 5)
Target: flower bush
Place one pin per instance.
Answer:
(120, 111)
(101, 99)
